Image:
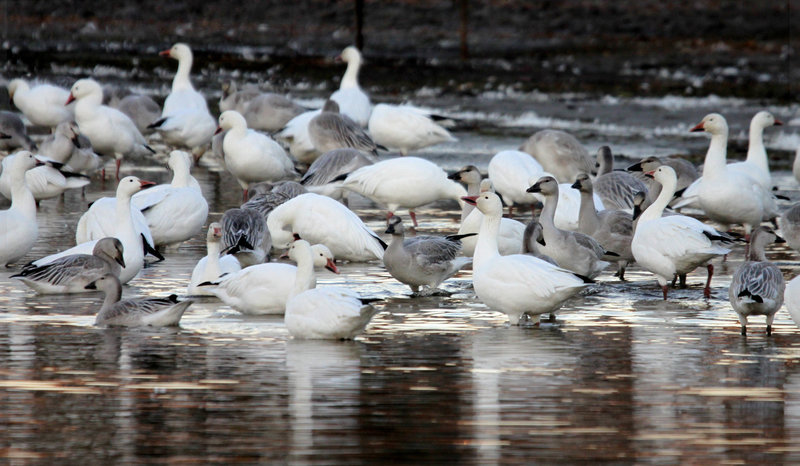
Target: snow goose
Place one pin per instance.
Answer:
(19, 227)
(185, 120)
(727, 196)
(615, 188)
(757, 287)
(321, 175)
(571, 250)
(141, 109)
(60, 144)
(510, 172)
(569, 205)
(45, 181)
(295, 135)
(470, 176)
(757, 165)
(264, 197)
(684, 170)
(329, 313)
(403, 182)
(796, 165)
(13, 133)
(123, 227)
(135, 312)
(332, 130)
(71, 274)
(110, 131)
(42, 104)
(251, 156)
(559, 153)
(674, 244)
(264, 111)
(516, 284)
(422, 261)
(792, 297)
(265, 288)
(509, 238)
(613, 229)
(320, 219)
(789, 223)
(83, 159)
(181, 199)
(245, 236)
(213, 266)
(353, 101)
(405, 128)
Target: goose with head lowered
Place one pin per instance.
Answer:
(405, 128)
(135, 312)
(516, 284)
(559, 153)
(42, 104)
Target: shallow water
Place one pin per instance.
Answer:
(620, 376)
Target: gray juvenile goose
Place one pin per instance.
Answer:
(135, 312)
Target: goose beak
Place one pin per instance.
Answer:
(165, 53)
(90, 286)
(4, 136)
(576, 185)
(636, 167)
(650, 174)
(121, 261)
(471, 200)
(390, 229)
(219, 130)
(778, 122)
(454, 176)
(146, 184)
(536, 188)
(779, 240)
(697, 128)
(331, 266)
(70, 99)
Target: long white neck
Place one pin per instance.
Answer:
(756, 152)
(305, 278)
(125, 230)
(212, 259)
(716, 155)
(656, 209)
(181, 177)
(21, 197)
(350, 78)
(588, 220)
(486, 246)
(181, 81)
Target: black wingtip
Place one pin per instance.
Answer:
(207, 284)
(584, 278)
(341, 177)
(612, 254)
(459, 237)
(156, 123)
(152, 151)
(148, 249)
(383, 148)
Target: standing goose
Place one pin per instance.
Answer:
(18, 226)
(757, 165)
(559, 153)
(533, 240)
(613, 229)
(245, 235)
(331, 312)
(674, 244)
(135, 312)
(405, 128)
(516, 284)
(13, 134)
(110, 131)
(757, 287)
(320, 176)
(421, 261)
(509, 237)
(71, 274)
(353, 101)
(615, 188)
(571, 250)
(42, 104)
(212, 267)
(332, 130)
(185, 120)
(250, 156)
(510, 171)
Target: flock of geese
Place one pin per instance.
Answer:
(295, 193)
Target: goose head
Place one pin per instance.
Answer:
(583, 183)
(350, 55)
(487, 202)
(605, 160)
(179, 161)
(547, 185)
(395, 226)
(665, 175)
(214, 234)
(765, 119)
(16, 85)
(231, 119)
(486, 185)
(179, 51)
(131, 185)
(468, 175)
(111, 248)
(108, 283)
(331, 106)
(85, 89)
(323, 257)
(647, 164)
(21, 162)
(713, 123)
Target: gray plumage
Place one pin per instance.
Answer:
(263, 111)
(12, 126)
(266, 196)
(246, 236)
(332, 165)
(135, 312)
(757, 286)
(331, 130)
(684, 170)
(559, 153)
(533, 239)
(615, 188)
(470, 176)
(142, 109)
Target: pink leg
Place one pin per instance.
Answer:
(389, 215)
(119, 161)
(664, 289)
(707, 289)
(413, 216)
(244, 195)
(511, 211)
(746, 246)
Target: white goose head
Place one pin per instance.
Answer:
(231, 119)
(764, 119)
(87, 89)
(713, 123)
(131, 185)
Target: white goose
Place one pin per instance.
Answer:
(295, 134)
(265, 288)
(18, 227)
(59, 145)
(509, 238)
(181, 199)
(403, 182)
(559, 153)
(510, 172)
(135, 312)
(320, 219)
(44, 181)
(110, 131)
(124, 230)
(516, 284)
(42, 104)
(213, 266)
(569, 205)
(792, 298)
(250, 156)
(674, 244)
(352, 101)
(185, 120)
(405, 128)
(322, 313)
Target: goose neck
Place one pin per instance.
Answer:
(716, 155)
(350, 78)
(486, 246)
(181, 80)
(756, 153)
(304, 279)
(22, 199)
(212, 258)
(588, 220)
(656, 209)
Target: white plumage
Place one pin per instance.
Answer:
(18, 226)
(352, 101)
(405, 128)
(43, 104)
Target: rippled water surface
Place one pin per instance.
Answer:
(621, 376)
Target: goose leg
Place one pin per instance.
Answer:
(664, 289)
(413, 216)
(118, 163)
(682, 283)
(769, 324)
(743, 321)
(707, 289)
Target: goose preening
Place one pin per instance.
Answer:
(185, 120)
(19, 229)
(250, 156)
(352, 100)
(211, 267)
(122, 226)
(321, 175)
(572, 250)
(295, 134)
(13, 134)
(533, 240)
(613, 229)
(559, 153)
(45, 181)
(42, 104)
(674, 244)
(320, 219)
(182, 199)
(71, 274)
(403, 183)
(59, 145)
(135, 312)
(516, 284)
(265, 288)
(333, 130)
(264, 111)
(615, 188)
(110, 131)
(757, 287)
(422, 261)
(331, 312)
(405, 128)
(245, 235)
(510, 172)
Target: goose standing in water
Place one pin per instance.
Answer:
(245, 235)
(757, 287)
(135, 312)
(19, 226)
(264, 111)
(510, 171)
(352, 100)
